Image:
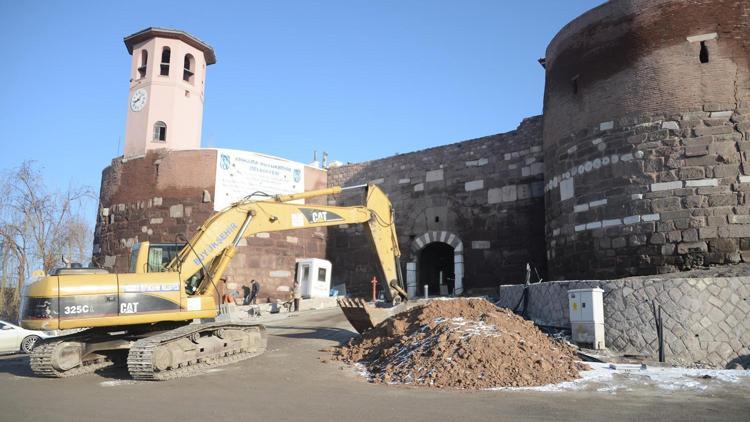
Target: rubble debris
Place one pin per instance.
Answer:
(461, 343)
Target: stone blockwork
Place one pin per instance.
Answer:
(667, 194)
(165, 194)
(646, 123)
(485, 195)
(705, 319)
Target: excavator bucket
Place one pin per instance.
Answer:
(365, 316)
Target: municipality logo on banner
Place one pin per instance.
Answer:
(224, 162)
(296, 175)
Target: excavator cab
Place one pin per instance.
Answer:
(147, 257)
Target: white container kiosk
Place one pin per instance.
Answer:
(314, 277)
(587, 316)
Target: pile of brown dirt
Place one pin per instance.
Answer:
(461, 343)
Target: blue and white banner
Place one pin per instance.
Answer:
(243, 173)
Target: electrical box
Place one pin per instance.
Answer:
(586, 309)
(314, 277)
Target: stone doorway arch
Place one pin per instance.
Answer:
(419, 243)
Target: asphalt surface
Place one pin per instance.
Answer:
(294, 380)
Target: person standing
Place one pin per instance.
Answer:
(297, 295)
(254, 289)
(245, 295)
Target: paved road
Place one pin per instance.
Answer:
(291, 382)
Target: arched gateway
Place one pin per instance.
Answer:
(428, 253)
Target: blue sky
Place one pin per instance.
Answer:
(360, 80)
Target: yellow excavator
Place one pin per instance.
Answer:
(153, 317)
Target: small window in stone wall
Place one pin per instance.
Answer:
(703, 55)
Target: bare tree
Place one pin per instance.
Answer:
(37, 227)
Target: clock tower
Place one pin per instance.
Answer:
(167, 85)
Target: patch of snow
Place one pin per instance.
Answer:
(117, 383)
(362, 370)
(462, 298)
(606, 378)
(468, 327)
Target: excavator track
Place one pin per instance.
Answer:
(192, 349)
(43, 357)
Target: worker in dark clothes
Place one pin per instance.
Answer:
(245, 295)
(254, 290)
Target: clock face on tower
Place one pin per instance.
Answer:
(138, 100)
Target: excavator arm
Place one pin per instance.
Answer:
(205, 257)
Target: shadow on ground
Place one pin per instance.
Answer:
(339, 335)
(17, 365)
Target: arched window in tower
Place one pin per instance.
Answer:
(144, 63)
(160, 131)
(165, 56)
(188, 71)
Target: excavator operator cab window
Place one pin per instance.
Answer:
(160, 254)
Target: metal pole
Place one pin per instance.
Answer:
(661, 337)
(426, 296)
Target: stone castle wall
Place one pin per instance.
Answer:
(705, 319)
(483, 197)
(165, 194)
(646, 124)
